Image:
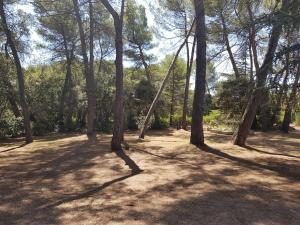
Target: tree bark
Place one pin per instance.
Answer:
(187, 88)
(89, 76)
(118, 132)
(197, 134)
(162, 86)
(172, 100)
(10, 40)
(241, 134)
(290, 104)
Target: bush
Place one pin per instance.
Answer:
(213, 118)
(159, 124)
(11, 126)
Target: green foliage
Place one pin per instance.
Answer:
(232, 96)
(10, 125)
(297, 119)
(213, 118)
(160, 124)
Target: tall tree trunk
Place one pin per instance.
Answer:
(117, 138)
(187, 88)
(20, 74)
(118, 132)
(197, 134)
(89, 76)
(172, 99)
(162, 86)
(240, 136)
(290, 104)
(228, 47)
(251, 65)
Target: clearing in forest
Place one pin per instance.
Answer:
(64, 180)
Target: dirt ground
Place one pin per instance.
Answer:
(65, 180)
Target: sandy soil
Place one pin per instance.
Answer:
(65, 180)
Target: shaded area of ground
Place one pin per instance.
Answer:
(62, 179)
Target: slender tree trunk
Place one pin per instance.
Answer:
(172, 99)
(251, 65)
(20, 74)
(187, 88)
(197, 134)
(162, 86)
(89, 76)
(290, 104)
(240, 136)
(228, 47)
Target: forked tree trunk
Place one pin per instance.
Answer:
(290, 104)
(20, 74)
(187, 88)
(241, 134)
(162, 86)
(118, 132)
(197, 134)
(89, 76)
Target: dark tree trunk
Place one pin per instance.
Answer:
(240, 136)
(290, 104)
(20, 74)
(118, 132)
(197, 134)
(117, 138)
(228, 47)
(187, 88)
(89, 76)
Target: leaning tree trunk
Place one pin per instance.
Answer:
(197, 134)
(20, 74)
(89, 76)
(172, 103)
(290, 104)
(240, 136)
(187, 88)
(162, 86)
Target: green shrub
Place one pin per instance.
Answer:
(11, 126)
(159, 124)
(213, 118)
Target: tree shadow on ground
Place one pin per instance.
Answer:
(243, 205)
(33, 181)
(281, 169)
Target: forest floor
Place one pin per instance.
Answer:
(62, 179)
